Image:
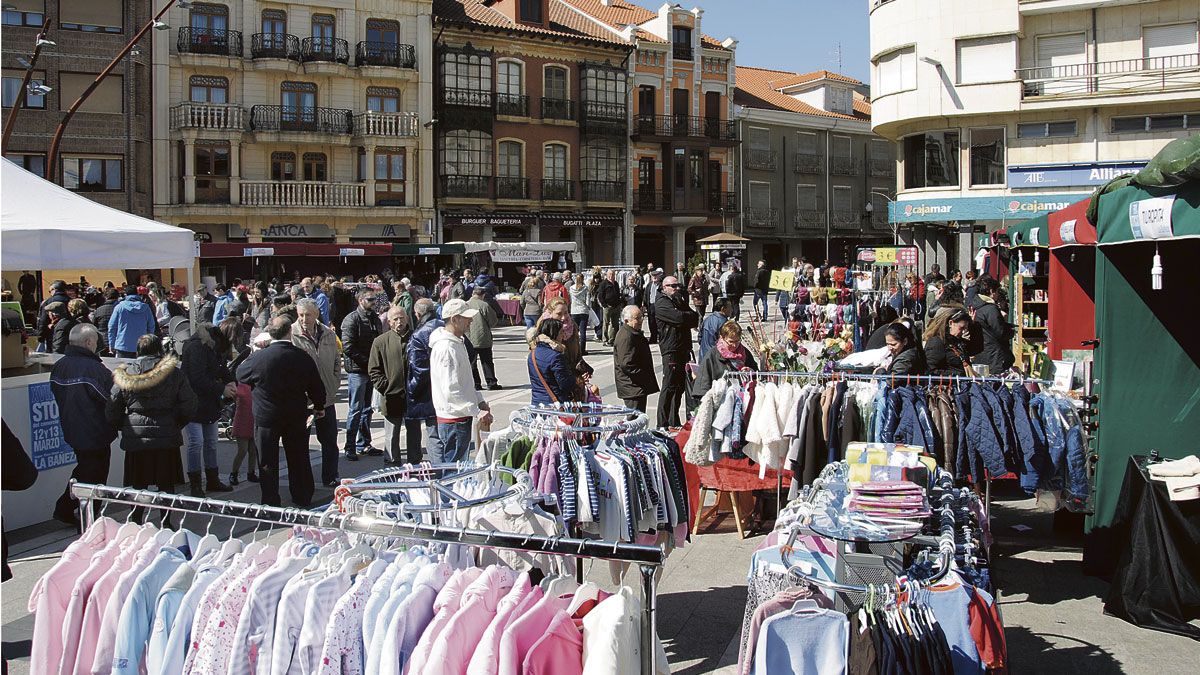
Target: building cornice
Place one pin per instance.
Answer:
(794, 119)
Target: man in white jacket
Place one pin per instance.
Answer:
(455, 399)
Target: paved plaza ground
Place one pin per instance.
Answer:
(1053, 618)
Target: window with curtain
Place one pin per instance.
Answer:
(206, 17)
(383, 99)
(987, 156)
(92, 174)
(556, 83)
(931, 159)
(760, 139)
(206, 89)
(466, 153)
(383, 32)
(554, 165)
(390, 176)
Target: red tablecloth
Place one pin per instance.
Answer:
(729, 475)
(512, 309)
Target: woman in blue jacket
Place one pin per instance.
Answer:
(550, 378)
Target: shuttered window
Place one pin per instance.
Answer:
(1173, 46)
(102, 16)
(897, 71)
(990, 59)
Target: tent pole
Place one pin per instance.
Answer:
(192, 287)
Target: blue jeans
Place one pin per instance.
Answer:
(201, 439)
(760, 300)
(531, 321)
(581, 323)
(358, 420)
(455, 440)
(429, 437)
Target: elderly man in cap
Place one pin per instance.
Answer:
(455, 400)
(675, 323)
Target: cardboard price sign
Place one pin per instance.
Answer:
(783, 281)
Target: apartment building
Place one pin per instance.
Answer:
(532, 126)
(292, 123)
(813, 181)
(684, 140)
(105, 153)
(1015, 109)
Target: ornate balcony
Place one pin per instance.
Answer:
(605, 118)
(209, 41)
(762, 160)
(296, 193)
(603, 191)
(1160, 73)
(558, 189)
(685, 126)
(274, 46)
(467, 187)
(881, 168)
(385, 54)
(722, 202)
(845, 166)
(558, 109)
(391, 125)
(682, 52)
(209, 116)
(512, 188)
(809, 219)
(293, 118)
(467, 98)
(808, 163)
(651, 201)
(330, 50)
(846, 219)
(761, 218)
(513, 105)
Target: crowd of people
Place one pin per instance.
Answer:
(265, 361)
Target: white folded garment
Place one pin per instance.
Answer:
(870, 357)
(1188, 466)
(1183, 488)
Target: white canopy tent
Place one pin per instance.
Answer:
(46, 227)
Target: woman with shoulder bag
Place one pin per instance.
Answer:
(550, 377)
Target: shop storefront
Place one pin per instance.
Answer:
(598, 236)
(223, 262)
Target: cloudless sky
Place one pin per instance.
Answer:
(795, 35)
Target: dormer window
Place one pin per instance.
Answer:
(532, 11)
(681, 37)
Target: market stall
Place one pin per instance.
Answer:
(1148, 358)
(45, 227)
(264, 260)
(719, 249)
(1028, 288)
(511, 261)
(1072, 284)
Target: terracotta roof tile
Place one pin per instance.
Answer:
(619, 13)
(758, 88)
(794, 79)
(563, 22)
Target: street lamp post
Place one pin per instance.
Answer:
(870, 208)
(40, 42)
(52, 156)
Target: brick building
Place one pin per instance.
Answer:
(532, 126)
(105, 153)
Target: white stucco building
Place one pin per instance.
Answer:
(1004, 110)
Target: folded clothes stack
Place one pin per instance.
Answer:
(1182, 477)
(889, 499)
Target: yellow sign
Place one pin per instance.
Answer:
(783, 281)
(885, 255)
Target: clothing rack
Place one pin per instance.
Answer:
(647, 558)
(835, 376)
(434, 478)
(549, 418)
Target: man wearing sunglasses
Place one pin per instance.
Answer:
(675, 323)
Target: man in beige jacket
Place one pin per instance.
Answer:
(319, 342)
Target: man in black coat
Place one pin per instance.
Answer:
(675, 323)
(611, 301)
(359, 330)
(81, 385)
(102, 314)
(286, 386)
(762, 287)
(633, 366)
(58, 293)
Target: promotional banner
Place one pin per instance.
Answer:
(48, 449)
(1018, 207)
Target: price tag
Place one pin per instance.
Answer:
(1151, 218)
(1066, 232)
(885, 255)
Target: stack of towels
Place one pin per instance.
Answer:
(1182, 477)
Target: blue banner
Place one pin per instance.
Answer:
(1011, 207)
(1033, 176)
(48, 449)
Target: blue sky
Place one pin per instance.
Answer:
(797, 35)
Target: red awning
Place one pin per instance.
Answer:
(291, 249)
(1070, 226)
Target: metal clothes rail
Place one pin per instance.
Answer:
(647, 558)
(836, 376)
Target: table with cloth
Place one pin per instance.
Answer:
(512, 310)
(1156, 581)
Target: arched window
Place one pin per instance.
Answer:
(283, 166)
(315, 166)
(383, 99)
(208, 89)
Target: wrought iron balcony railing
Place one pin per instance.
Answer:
(683, 126)
(297, 118)
(209, 41)
(808, 163)
(332, 50)
(603, 191)
(513, 105)
(558, 189)
(809, 219)
(512, 188)
(761, 217)
(467, 98)
(845, 166)
(762, 160)
(558, 109)
(274, 46)
(467, 187)
(390, 54)
(1160, 73)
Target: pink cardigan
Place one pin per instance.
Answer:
(559, 651)
(452, 648)
(522, 597)
(449, 599)
(525, 631)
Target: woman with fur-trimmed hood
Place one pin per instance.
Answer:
(151, 402)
